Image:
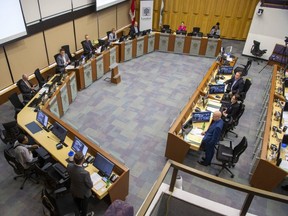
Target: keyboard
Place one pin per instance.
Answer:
(61, 170)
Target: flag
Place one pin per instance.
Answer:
(132, 12)
(161, 13)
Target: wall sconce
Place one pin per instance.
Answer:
(260, 12)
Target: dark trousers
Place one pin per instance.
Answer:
(82, 205)
(209, 152)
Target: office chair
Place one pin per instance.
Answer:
(108, 33)
(67, 51)
(19, 169)
(244, 70)
(196, 30)
(15, 101)
(11, 131)
(243, 94)
(58, 69)
(26, 96)
(3, 137)
(235, 121)
(58, 202)
(39, 77)
(229, 156)
(255, 50)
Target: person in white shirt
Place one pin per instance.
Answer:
(215, 30)
(112, 35)
(23, 152)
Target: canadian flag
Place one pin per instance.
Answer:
(132, 12)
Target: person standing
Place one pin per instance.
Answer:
(211, 138)
(81, 184)
(87, 46)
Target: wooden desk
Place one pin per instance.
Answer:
(267, 175)
(117, 190)
(176, 146)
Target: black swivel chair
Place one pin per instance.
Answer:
(58, 202)
(67, 51)
(229, 156)
(39, 77)
(58, 69)
(255, 50)
(11, 131)
(19, 169)
(108, 33)
(243, 94)
(244, 70)
(18, 105)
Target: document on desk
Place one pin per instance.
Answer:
(284, 165)
(95, 177)
(213, 105)
(99, 185)
(69, 67)
(194, 137)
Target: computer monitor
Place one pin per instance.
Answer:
(59, 131)
(225, 70)
(217, 89)
(104, 165)
(42, 118)
(201, 116)
(101, 42)
(79, 146)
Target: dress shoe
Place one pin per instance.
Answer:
(203, 158)
(285, 187)
(203, 163)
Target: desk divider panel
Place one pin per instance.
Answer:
(128, 50)
(64, 98)
(179, 44)
(140, 46)
(54, 107)
(99, 66)
(73, 86)
(113, 59)
(151, 43)
(163, 42)
(211, 47)
(93, 67)
(87, 74)
(195, 46)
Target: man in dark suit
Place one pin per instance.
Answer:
(233, 108)
(236, 84)
(26, 87)
(211, 138)
(62, 61)
(87, 46)
(81, 183)
(134, 30)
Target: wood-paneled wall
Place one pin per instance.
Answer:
(235, 16)
(38, 50)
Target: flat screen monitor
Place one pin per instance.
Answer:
(59, 131)
(101, 42)
(226, 70)
(79, 146)
(42, 118)
(217, 89)
(201, 116)
(104, 165)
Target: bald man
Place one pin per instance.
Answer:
(26, 86)
(211, 138)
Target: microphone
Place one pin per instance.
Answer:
(62, 142)
(52, 138)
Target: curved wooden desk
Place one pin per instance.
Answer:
(117, 190)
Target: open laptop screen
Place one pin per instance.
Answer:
(201, 116)
(217, 89)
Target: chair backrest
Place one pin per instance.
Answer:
(166, 26)
(119, 208)
(228, 49)
(12, 130)
(256, 45)
(196, 29)
(247, 67)
(247, 85)
(14, 99)
(55, 57)
(19, 86)
(239, 149)
(39, 77)
(67, 50)
(17, 167)
(239, 114)
(108, 33)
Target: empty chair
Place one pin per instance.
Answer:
(229, 156)
(18, 105)
(255, 50)
(11, 132)
(19, 169)
(244, 70)
(39, 77)
(196, 30)
(119, 208)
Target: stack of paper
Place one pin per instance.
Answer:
(95, 177)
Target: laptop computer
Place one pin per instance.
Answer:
(217, 89)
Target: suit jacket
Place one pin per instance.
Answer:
(134, 30)
(60, 61)
(238, 86)
(88, 47)
(81, 182)
(213, 133)
(24, 88)
(232, 110)
(112, 37)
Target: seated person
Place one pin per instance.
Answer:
(233, 108)
(215, 30)
(211, 138)
(26, 86)
(235, 84)
(62, 61)
(23, 151)
(134, 30)
(87, 46)
(112, 36)
(182, 27)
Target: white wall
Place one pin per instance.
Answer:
(269, 28)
